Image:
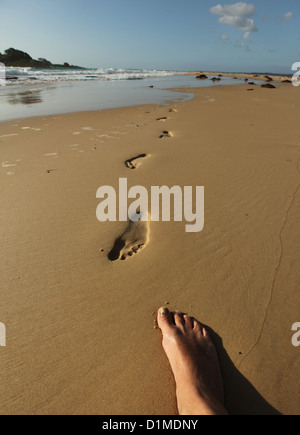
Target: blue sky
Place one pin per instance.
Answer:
(259, 35)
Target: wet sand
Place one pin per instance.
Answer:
(80, 327)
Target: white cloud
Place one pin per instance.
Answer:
(238, 15)
(288, 16)
(238, 9)
(224, 37)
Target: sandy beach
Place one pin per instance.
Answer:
(81, 335)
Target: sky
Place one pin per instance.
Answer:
(198, 35)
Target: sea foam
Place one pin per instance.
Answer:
(33, 75)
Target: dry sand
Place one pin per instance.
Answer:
(80, 331)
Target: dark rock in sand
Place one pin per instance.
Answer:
(202, 77)
(215, 79)
(268, 78)
(286, 81)
(268, 85)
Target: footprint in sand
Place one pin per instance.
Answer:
(163, 119)
(106, 136)
(31, 128)
(8, 165)
(135, 161)
(48, 171)
(135, 238)
(165, 134)
(9, 135)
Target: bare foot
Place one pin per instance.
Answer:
(194, 362)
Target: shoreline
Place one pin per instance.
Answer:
(71, 97)
(168, 94)
(257, 76)
(44, 98)
(80, 335)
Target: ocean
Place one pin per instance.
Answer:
(34, 75)
(32, 92)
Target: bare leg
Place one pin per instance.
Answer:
(194, 362)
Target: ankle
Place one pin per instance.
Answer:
(193, 401)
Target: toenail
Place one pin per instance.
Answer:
(164, 311)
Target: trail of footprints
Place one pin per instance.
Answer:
(137, 234)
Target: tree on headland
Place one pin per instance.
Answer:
(44, 62)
